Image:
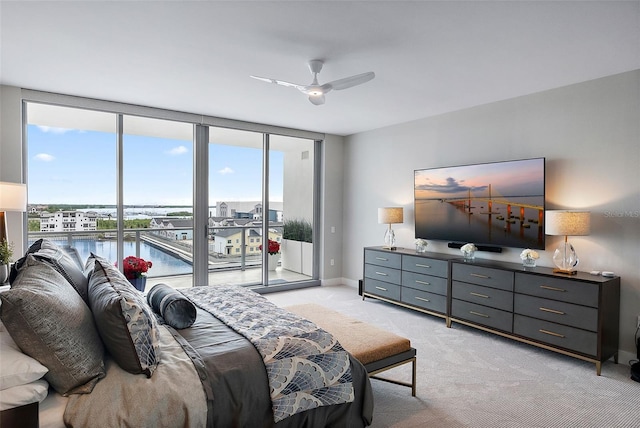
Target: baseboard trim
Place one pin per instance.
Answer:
(624, 357)
(341, 281)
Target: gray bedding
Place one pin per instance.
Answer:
(240, 387)
(216, 378)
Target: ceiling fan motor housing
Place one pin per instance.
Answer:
(315, 65)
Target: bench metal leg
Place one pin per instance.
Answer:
(412, 385)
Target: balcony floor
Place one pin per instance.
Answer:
(250, 276)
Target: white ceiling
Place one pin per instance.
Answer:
(430, 57)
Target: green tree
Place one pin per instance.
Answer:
(139, 223)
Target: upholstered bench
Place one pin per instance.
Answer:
(378, 350)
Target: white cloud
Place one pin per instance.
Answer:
(44, 157)
(53, 130)
(180, 150)
(226, 170)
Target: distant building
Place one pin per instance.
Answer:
(168, 226)
(68, 221)
(248, 209)
(229, 242)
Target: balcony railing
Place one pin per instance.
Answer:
(140, 242)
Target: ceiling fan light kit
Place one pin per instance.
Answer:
(317, 92)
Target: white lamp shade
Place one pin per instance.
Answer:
(390, 215)
(567, 223)
(13, 196)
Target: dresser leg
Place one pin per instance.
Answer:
(598, 367)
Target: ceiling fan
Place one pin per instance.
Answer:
(316, 91)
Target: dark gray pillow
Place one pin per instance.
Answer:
(51, 323)
(125, 322)
(176, 310)
(64, 259)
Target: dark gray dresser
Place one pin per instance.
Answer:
(576, 315)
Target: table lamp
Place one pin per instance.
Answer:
(390, 215)
(567, 223)
(13, 197)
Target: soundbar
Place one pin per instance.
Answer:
(487, 248)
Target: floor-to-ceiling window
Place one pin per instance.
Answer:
(235, 198)
(123, 184)
(72, 177)
(291, 166)
(157, 195)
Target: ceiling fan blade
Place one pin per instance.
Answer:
(279, 82)
(348, 82)
(317, 100)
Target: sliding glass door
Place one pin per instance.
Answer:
(157, 196)
(236, 208)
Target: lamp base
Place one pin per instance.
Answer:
(385, 247)
(3, 227)
(565, 271)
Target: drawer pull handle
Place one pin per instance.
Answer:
(382, 258)
(477, 275)
(551, 333)
(424, 266)
(546, 287)
(381, 273)
(553, 311)
(422, 282)
(479, 314)
(484, 296)
(423, 299)
(381, 288)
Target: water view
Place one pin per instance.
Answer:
(163, 264)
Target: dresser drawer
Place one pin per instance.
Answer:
(486, 296)
(558, 312)
(433, 284)
(565, 290)
(490, 317)
(383, 258)
(382, 273)
(490, 277)
(574, 339)
(425, 265)
(382, 289)
(429, 301)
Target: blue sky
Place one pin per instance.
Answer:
(512, 178)
(68, 166)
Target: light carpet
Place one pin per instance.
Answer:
(469, 378)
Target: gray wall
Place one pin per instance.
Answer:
(588, 132)
(11, 155)
(331, 217)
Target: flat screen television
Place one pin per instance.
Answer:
(499, 204)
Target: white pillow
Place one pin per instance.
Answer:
(16, 368)
(23, 394)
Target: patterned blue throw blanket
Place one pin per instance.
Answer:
(306, 366)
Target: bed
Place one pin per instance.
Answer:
(209, 356)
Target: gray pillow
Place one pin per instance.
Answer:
(126, 323)
(51, 323)
(64, 259)
(176, 310)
